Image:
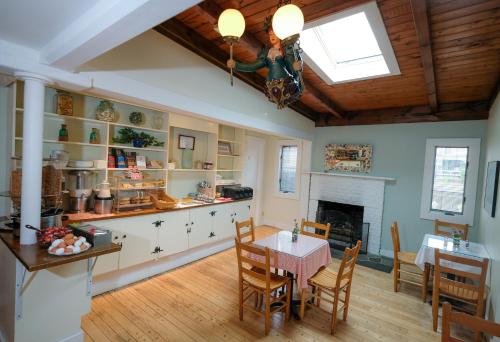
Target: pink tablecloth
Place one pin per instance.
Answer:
(302, 258)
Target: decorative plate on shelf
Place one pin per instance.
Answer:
(137, 118)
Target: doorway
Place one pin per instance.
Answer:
(253, 173)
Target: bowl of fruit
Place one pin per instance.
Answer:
(48, 235)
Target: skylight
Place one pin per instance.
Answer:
(351, 45)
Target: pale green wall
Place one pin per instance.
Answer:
(398, 152)
(489, 227)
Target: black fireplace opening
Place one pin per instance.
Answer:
(346, 224)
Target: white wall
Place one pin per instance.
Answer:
(157, 61)
(489, 227)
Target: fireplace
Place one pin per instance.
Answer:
(346, 221)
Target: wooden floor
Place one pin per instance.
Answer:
(198, 302)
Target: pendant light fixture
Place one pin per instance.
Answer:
(288, 22)
(231, 26)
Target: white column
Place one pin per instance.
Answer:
(31, 188)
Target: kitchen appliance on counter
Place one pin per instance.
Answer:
(80, 184)
(95, 235)
(236, 192)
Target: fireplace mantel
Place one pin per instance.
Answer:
(386, 179)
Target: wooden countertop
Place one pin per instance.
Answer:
(35, 258)
(91, 216)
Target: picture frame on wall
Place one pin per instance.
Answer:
(348, 157)
(186, 142)
(491, 188)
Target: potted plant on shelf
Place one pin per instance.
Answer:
(128, 135)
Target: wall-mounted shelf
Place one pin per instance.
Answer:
(230, 141)
(191, 170)
(229, 155)
(139, 128)
(55, 116)
(233, 170)
(138, 148)
(126, 169)
(49, 141)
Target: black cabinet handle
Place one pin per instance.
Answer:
(189, 230)
(160, 250)
(212, 234)
(213, 212)
(158, 223)
(232, 220)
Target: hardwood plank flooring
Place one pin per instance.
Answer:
(198, 302)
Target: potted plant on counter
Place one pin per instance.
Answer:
(128, 135)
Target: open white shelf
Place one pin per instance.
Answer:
(228, 156)
(49, 141)
(55, 116)
(234, 170)
(230, 141)
(82, 168)
(191, 170)
(138, 148)
(126, 169)
(139, 128)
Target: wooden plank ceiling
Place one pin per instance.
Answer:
(448, 52)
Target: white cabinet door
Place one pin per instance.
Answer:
(200, 225)
(139, 238)
(108, 262)
(242, 210)
(223, 221)
(173, 235)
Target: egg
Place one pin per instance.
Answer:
(69, 241)
(68, 250)
(78, 243)
(76, 249)
(82, 238)
(56, 242)
(84, 246)
(52, 250)
(60, 251)
(61, 245)
(69, 236)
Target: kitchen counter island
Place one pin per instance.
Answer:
(42, 296)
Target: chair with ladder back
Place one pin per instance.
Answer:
(255, 278)
(323, 228)
(471, 293)
(446, 229)
(328, 285)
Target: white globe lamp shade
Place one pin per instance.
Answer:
(288, 21)
(231, 23)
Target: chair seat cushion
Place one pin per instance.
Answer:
(277, 281)
(407, 257)
(326, 278)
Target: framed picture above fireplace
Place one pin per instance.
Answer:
(348, 157)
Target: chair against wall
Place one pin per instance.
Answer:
(329, 286)
(407, 258)
(472, 291)
(446, 229)
(471, 322)
(255, 279)
(324, 228)
(245, 231)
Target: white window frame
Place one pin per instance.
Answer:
(277, 192)
(470, 193)
(378, 27)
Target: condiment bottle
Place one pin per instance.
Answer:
(94, 136)
(63, 133)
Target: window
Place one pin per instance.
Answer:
(287, 179)
(350, 45)
(450, 180)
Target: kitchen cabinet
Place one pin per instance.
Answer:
(173, 233)
(109, 262)
(148, 237)
(200, 226)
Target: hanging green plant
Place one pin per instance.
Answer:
(128, 135)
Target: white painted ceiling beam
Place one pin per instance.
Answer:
(106, 25)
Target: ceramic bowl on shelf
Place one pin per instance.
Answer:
(61, 158)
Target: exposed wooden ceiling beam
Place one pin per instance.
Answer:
(212, 11)
(183, 35)
(445, 112)
(421, 19)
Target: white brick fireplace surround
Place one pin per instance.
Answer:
(359, 190)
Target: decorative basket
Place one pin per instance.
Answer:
(163, 201)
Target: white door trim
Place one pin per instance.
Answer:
(257, 200)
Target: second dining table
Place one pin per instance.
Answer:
(302, 258)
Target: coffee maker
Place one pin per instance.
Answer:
(80, 185)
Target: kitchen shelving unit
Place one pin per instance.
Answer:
(179, 182)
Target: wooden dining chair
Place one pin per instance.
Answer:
(473, 323)
(472, 291)
(407, 258)
(245, 231)
(323, 228)
(446, 229)
(255, 283)
(328, 285)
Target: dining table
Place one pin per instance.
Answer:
(301, 259)
(426, 255)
